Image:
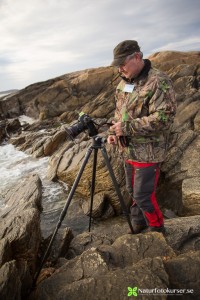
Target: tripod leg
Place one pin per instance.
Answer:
(93, 185)
(117, 189)
(64, 211)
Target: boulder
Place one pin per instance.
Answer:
(191, 195)
(91, 275)
(183, 272)
(5, 251)
(183, 234)
(10, 283)
(9, 127)
(108, 262)
(20, 237)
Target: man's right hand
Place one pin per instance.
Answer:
(112, 139)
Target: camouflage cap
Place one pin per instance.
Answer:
(122, 50)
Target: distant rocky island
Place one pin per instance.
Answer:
(6, 93)
(103, 263)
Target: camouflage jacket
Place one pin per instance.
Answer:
(146, 111)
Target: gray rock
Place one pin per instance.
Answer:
(10, 284)
(183, 234)
(191, 195)
(183, 274)
(24, 195)
(130, 249)
(103, 233)
(100, 207)
(105, 285)
(20, 238)
(60, 245)
(104, 268)
(5, 251)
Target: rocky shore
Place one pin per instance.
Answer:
(103, 263)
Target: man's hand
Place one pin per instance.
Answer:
(112, 139)
(117, 128)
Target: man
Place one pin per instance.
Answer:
(145, 108)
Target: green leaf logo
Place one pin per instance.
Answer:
(132, 291)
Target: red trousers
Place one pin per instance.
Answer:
(141, 181)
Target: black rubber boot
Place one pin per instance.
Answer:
(137, 228)
(157, 229)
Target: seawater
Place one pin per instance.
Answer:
(15, 165)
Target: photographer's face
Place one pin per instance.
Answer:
(131, 67)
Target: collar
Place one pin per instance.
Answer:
(143, 74)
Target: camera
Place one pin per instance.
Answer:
(85, 122)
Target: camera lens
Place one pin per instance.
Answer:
(75, 130)
(84, 122)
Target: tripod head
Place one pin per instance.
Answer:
(98, 142)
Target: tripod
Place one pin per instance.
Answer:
(98, 143)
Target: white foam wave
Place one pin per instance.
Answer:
(14, 165)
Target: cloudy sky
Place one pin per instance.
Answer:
(42, 39)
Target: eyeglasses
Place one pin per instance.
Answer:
(128, 58)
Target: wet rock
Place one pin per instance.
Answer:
(13, 125)
(9, 127)
(24, 195)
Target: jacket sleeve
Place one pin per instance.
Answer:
(161, 106)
